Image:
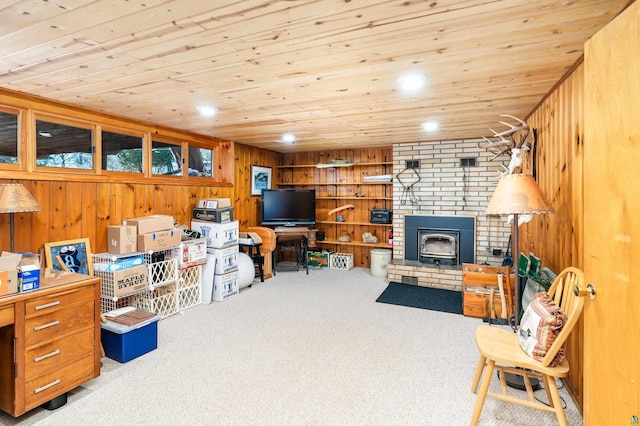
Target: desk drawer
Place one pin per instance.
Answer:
(57, 353)
(46, 304)
(58, 323)
(6, 315)
(55, 383)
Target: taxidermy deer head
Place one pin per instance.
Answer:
(505, 143)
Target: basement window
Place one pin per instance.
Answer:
(200, 162)
(64, 144)
(166, 159)
(121, 152)
(9, 125)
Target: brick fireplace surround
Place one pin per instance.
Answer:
(446, 188)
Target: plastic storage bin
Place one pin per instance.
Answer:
(124, 343)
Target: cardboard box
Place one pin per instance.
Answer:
(124, 343)
(23, 272)
(29, 274)
(121, 239)
(9, 264)
(193, 252)
(151, 223)
(158, 240)
(4, 283)
(213, 203)
(226, 259)
(218, 235)
(225, 286)
(125, 281)
(316, 258)
(223, 215)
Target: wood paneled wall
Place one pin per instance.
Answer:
(558, 238)
(247, 206)
(85, 209)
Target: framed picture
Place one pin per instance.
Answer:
(70, 255)
(260, 179)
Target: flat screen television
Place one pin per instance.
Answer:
(289, 207)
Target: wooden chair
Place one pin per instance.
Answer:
(499, 350)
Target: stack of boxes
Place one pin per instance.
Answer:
(213, 219)
(155, 232)
(142, 255)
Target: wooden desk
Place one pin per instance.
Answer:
(296, 240)
(49, 341)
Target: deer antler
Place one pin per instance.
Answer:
(513, 129)
(505, 143)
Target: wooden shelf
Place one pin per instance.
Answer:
(353, 243)
(329, 222)
(353, 198)
(338, 184)
(302, 166)
(333, 183)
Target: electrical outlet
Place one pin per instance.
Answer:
(412, 164)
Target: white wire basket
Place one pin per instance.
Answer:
(190, 287)
(108, 304)
(162, 301)
(342, 261)
(162, 266)
(116, 270)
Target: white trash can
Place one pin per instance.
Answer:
(380, 259)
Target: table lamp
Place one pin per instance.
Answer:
(15, 198)
(517, 194)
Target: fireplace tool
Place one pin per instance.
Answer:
(407, 190)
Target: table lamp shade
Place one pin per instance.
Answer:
(518, 194)
(14, 197)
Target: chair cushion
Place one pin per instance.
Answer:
(541, 323)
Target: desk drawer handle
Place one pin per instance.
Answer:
(43, 326)
(47, 305)
(45, 387)
(45, 356)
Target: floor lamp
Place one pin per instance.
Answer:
(517, 194)
(15, 198)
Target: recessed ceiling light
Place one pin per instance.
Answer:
(288, 138)
(412, 82)
(207, 110)
(430, 126)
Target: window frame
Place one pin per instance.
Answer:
(29, 110)
(127, 132)
(21, 148)
(55, 119)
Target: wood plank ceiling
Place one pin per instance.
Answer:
(324, 70)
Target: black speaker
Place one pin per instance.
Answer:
(320, 236)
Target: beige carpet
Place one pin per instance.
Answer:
(297, 350)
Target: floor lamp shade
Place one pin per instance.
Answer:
(15, 198)
(517, 194)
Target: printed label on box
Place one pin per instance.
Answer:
(130, 280)
(225, 286)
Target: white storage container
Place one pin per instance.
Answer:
(225, 286)
(226, 258)
(218, 235)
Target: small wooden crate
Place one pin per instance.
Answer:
(477, 283)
